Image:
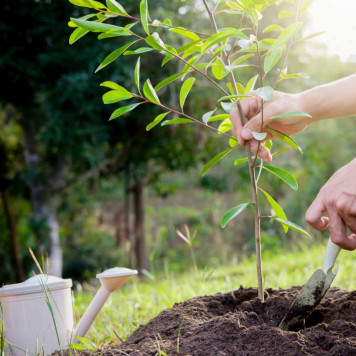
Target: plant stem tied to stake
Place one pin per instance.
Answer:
(251, 169)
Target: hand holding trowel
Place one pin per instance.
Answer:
(312, 292)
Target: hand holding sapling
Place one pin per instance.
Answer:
(283, 113)
(286, 113)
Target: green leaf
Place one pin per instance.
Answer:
(237, 96)
(98, 26)
(271, 28)
(137, 73)
(228, 106)
(221, 36)
(168, 80)
(218, 69)
(242, 58)
(114, 55)
(265, 93)
(225, 126)
(285, 14)
(313, 35)
(235, 6)
(281, 151)
(232, 213)
(218, 117)
(167, 22)
(233, 142)
(215, 160)
(251, 84)
(144, 15)
(272, 59)
(110, 85)
(294, 75)
(150, 93)
(78, 347)
(86, 17)
(156, 121)
(283, 175)
(111, 34)
(186, 87)
(77, 34)
(138, 51)
(123, 110)
(155, 42)
(268, 144)
(276, 207)
(286, 34)
(208, 115)
(292, 225)
(115, 7)
(180, 120)
(88, 3)
(305, 5)
(239, 161)
(184, 32)
(116, 95)
(291, 115)
(286, 139)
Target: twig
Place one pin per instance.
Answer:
(251, 168)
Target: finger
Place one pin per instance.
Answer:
(263, 152)
(345, 207)
(338, 231)
(314, 215)
(250, 107)
(255, 124)
(237, 125)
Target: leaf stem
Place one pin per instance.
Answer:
(181, 113)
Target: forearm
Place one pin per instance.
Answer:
(333, 100)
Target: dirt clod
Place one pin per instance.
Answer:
(238, 323)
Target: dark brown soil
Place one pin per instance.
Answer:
(237, 323)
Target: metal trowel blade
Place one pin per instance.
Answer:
(307, 300)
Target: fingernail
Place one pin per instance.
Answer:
(246, 133)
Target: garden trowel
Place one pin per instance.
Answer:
(312, 293)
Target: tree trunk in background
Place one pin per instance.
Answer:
(139, 206)
(127, 211)
(56, 254)
(43, 183)
(119, 228)
(20, 274)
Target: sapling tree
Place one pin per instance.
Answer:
(216, 57)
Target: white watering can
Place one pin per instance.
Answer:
(29, 326)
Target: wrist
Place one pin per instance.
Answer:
(309, 104)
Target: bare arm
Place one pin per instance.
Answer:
(333, 100)
(337, 198)
(330, 101)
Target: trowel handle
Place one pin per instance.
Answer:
(331, 253)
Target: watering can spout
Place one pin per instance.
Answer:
(110, 280)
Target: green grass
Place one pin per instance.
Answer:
(140, 300)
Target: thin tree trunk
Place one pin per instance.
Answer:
(140, 246)
(20, 274)
(119, 228)
(56, 255)
(127, 210)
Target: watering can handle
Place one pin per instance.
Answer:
(330, 256)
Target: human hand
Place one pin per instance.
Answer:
(338, 199)
(280, 104)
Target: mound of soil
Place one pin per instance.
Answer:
(237, 323)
